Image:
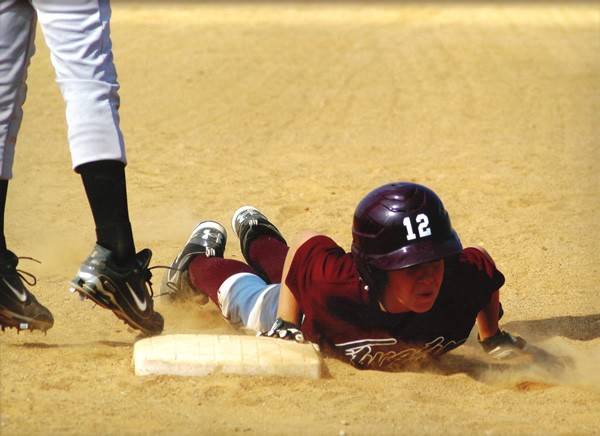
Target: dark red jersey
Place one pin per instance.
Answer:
(343, 318)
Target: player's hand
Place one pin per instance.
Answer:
(503, 345)
(284, 330)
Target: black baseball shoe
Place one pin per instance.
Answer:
(248, 223)
(209, 239)
(18, 307)
(127, 291)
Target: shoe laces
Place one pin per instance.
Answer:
(169, 284)
(172, 287)
(149, 276)
(27, 277)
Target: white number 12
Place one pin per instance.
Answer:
(422, 221)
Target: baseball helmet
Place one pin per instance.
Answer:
(400, 225)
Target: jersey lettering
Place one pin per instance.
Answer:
(365, 353)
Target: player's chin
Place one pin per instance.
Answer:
(423, 302)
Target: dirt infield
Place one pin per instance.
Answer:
(300, 110)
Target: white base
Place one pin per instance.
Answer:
(201, 355)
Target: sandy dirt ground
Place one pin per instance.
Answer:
(300, 110)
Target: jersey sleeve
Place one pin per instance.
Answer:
(484, 265)
(321, 262)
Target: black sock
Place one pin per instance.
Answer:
(3, 191)
(105, 187)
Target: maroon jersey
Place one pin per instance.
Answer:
(341, 315)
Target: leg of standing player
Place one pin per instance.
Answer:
(78, 36)
(18, 307)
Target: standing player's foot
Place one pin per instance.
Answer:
(18, 307)
(209, 239)
(126, 291)
(248, 223)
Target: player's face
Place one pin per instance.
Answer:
(413, 289)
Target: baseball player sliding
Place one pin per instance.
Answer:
(77, 33)
(406, 291)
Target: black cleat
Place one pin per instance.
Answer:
(126, 291)
(208, 238)
(248, 223)
(18, 307)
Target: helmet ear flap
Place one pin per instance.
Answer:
(376, 279)
(380, 280)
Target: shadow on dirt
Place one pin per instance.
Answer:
(579, 328)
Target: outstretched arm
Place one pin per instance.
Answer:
(497, 343)
(289, 309)
(487, 319)
(289, 312)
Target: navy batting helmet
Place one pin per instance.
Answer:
(400, 225)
